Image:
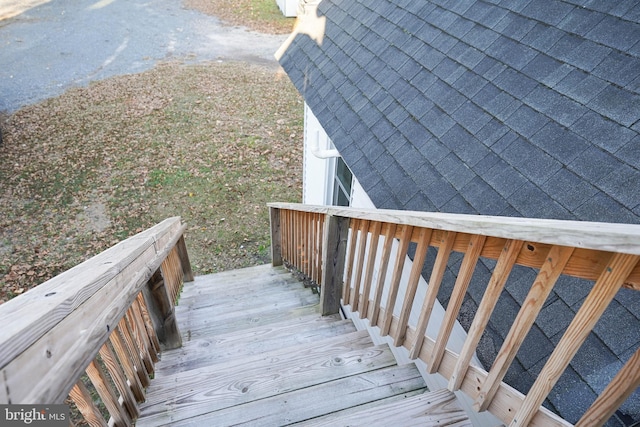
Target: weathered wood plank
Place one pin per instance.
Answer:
(371, 258)
(362, 247)
(431, 409)
(284, 282)
(65, 293)
(389, 232)
(201, 391)
(336, 233)
(350, 260)
(223, 348)
(364, 407)
(120, 348)
(276, 237)
(242, 321)
(317, 400)
(239, 302)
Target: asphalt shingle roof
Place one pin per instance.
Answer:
(515, 107)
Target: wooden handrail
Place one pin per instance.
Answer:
(118, 304)
(606, 254)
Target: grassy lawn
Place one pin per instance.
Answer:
(210, 143)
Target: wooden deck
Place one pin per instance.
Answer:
(257, 352)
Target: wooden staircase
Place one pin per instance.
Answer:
(256, 351)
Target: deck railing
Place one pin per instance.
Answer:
(340, 248)
(108, 317)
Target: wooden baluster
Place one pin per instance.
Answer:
(107, 394)
(503, 268)
(362, 251)
(305, 244)
(319, 255)
(439, 267)
(346, 295)
(467, 268)
(148, 325)
(556, 260)
(120, 348)
(120, 381)
(336, 232)
(405, 239)
(312, 246)
(123, 328)
(619, 389)
(368, 277)
(606, 287)
(414, 278)
(276, 236)
(389, 234)
(84, 402)
(136, 327)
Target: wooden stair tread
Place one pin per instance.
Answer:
(230, 302)
(436, 408)
(220, 348)
(200, 391)
(256, 351)
(317, 400)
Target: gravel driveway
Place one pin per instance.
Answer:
(65, 43)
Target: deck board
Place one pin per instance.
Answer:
(257, 352)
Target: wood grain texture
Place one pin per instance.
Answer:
(336, 232)
(108, 395)
(592, 240)
(371, 258)
(580, 234)
(84, 402)
(557, 258)
(389, 232)
(120, 380)
(394, 285)
(62, 295)
(317, 400)
(437, 273)
(455, 302)
(412, 284)
(487, 305)
(438, 408)
(200, 391)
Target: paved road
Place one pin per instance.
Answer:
(65, 43)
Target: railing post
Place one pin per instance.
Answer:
(162, 312)
(276, 237)
(333, 259)
(184, 259)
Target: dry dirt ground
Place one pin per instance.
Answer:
(211, 143)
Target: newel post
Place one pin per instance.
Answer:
(162, 312)
(334, 249)
(276, 237)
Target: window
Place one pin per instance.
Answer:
(342, 184)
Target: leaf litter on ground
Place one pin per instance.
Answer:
(212, 143)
